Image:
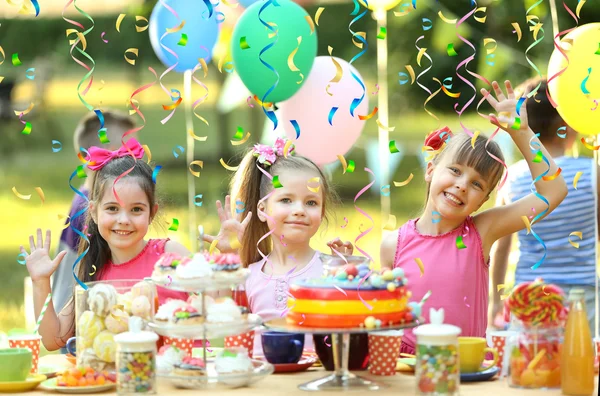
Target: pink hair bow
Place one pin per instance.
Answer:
(100, 157)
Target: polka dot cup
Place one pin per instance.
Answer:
(181, 343)
(31, 342)
(498, 341)
(384, 348)
(245, 340)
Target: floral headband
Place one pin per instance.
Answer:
(267, 155)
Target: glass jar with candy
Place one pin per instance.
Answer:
(539, 313)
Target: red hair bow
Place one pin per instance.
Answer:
(436, 139)
(100, 157)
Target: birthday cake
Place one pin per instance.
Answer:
(351, 296)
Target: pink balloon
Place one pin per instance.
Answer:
(311, 105)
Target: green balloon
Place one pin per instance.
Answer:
(250, 37)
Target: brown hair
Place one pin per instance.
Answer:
(86, 132)
(459, 146)
(250, 185)
(99, 251)
(542, 116)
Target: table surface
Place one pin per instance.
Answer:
(278, 384)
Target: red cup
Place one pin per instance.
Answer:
(245, 340)
(384, 349)
(181, 343)
(499, 340)
(31, 342)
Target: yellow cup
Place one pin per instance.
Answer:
(471, 353)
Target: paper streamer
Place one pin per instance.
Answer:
(140, 29)
(155, 173)
(576, 179)
(589, 146)
(577, 234)
(405, 182)
(431, 95)
(359, 210)
(421, 266)
(331, 114)
(269, 113)
(296, 127)
(362, 39)
(201, 65)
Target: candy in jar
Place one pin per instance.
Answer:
(136, 360)
(437, 364)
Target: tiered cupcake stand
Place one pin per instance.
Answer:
(341, 379)
(211, 379)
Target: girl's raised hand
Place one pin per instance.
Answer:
(39, 264)
(232, 227)
(344, 248)
(506, 108)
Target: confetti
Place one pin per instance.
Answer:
(589, 146)
(385, 190)
(21, 260)
(239, 206)
(452, 95)
(382, 126)
(436, 217)
(229, 168)
(15, 59)
(30, 73)
(175, 225)
(102, 136)
(391, 223)
(427, 24)
(576, 179)
(368, 117)
(212, 247)
(243, 43)
(296, 128)
(331, 114)
(538, 157)
(447, 20)
(240, 135)
(474, 139)
(561, 135)
(140, 29)
(303, 318)
(346, 220)
(465, 300)
(527, 224)
(325, 341)
(119, 20)
(183, 40)
(198, 200)
(80, 172)
(14, 190)
(583, 83)
(577, 234)
(311, 24)
(382, 33)
(41, 194)
(314, 180)
(155, 173)
(170, 280)
(198, 163)
(281, 240)
(554, 176)
(276, 182)
(94, 268)
(291, 64)
(405, 182)
(450, 50)
(392, 147)
(58, 146)
(459, 242)
(517, 30)
(181, 150)
(411, 71)
(318, 14)
(420, 264)
(598, 50)
(102, 37)
(133, 51)
(517, 124)
(286, 148)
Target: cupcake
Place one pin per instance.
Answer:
(225, 311)
(187, 315)
(196, 301)
(196, 268)
(168, 356)
(227, 262)
(190, 367)
(233, 361)
(165, 311)
(101, 298)
(167, 263)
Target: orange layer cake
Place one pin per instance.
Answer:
(351, 297)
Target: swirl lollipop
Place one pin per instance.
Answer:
(536, 303)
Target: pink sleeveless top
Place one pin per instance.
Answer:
(141, 266)
(458, 278)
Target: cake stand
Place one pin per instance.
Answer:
(341, 379)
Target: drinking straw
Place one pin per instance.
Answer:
(41, 317)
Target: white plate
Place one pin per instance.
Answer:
(206, 330)
(214, 380)
(218, 281)
(50, 385)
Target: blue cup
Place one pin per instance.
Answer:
(282, 348)
(72, 346)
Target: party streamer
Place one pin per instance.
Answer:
(362, 39)
(291, 64)
(576, 179)
(331, 114)
(536, 27)
(421, 266)
(359, 210)
(318, 14)
(339, 72)
(534, 146)
(431, 95)
(201, 65)
(155, 173)
(405, 182)
(275, 32)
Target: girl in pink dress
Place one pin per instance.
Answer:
(122, 205)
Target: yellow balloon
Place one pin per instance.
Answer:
(576, 89)
(376, 5)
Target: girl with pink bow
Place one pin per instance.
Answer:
(122, 204)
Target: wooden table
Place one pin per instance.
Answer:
(287, 384)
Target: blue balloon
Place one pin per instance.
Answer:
(201, 28)
(247, 3)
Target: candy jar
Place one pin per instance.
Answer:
(136, 360)
(437, 364)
